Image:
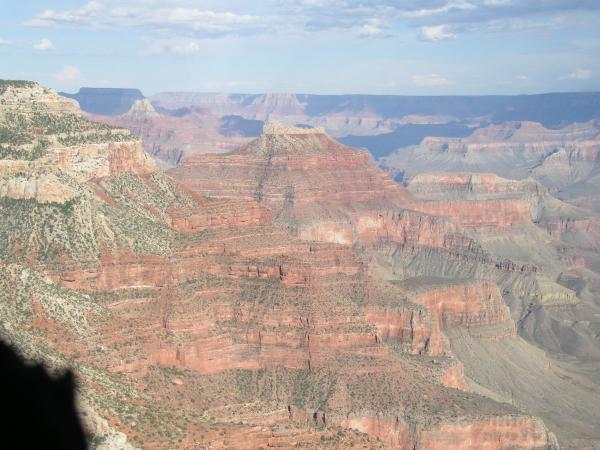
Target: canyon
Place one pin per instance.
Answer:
(284, 291)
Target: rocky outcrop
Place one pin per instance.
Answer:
(490, 215)
(532, 132)
(45, 188)
(103, 435)
(468, 186)
(220, 213)
(503, 210)
(51, 142)
(495, 433)
(25, 99)
(476, 305)
(416, 331)
(479, 188)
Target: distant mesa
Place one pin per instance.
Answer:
(234, 125)
(105, 101)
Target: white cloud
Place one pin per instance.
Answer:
(436, 33)
(44, 44)
(578, 74)
(437, 20)
(444, 9)
(497, 2)
(5, 42)
(95, 15)
(75, 17)
(68, 74)
(176, 46)
(373, 27)
(431, 80)
(189, 48)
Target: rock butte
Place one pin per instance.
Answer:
(419, 229)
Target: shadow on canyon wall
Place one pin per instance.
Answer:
(38, 410)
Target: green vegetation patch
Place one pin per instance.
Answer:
(19, 84)
(10, 152)
(300, 388)
(44, 230)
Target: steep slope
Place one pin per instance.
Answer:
(190, 323)
(320, 190)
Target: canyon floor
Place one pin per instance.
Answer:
(290, 293)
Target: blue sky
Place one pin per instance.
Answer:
(428, 47)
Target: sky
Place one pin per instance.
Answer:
(408, 47)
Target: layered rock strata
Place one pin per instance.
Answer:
(182, 316)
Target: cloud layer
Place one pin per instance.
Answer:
(107, 16)
(327, 46)
(435, 33)
(433, 20)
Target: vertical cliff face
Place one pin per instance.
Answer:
(475, 305)
(417, 331)
(520, 201)
(508, 432)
